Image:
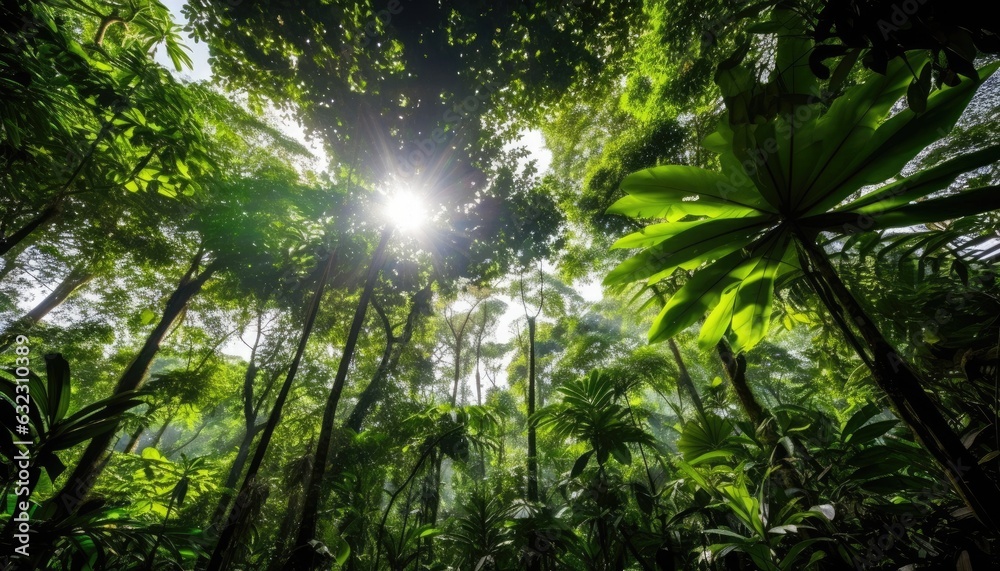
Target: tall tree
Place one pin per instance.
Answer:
(303, 555)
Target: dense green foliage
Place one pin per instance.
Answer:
(222, 352)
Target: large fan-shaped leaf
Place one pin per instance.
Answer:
(695, 243)
(700, 292)
(923, 182)
(703, 436)
(754, 297)
(966, 203)
(896, 142)
(675, 183)
(847, 127)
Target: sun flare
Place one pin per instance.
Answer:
(406, 210)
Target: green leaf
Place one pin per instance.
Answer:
(848, 126)
(923, 182)
(675, 183)
(695, 243)
(858, 420)
(580, 464)
(342, 549)
(870, 432)
(77, 50)
(899, 139)
(643, 498)
(181, 490)
(693, 474)
(967, 203)
(700, 292)
(57, 372)
(920, 88)
(710, 457)
(754, 298)
(793, 75)
(788, 562)
(622, 453)
(717, 323)
(704, 436)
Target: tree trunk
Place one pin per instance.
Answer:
(77, 278)
(458, 371)
(221, 554)
(159, 433)
(433, 501)
(736, 368)
(10, 261)
(375, 389)
(287, 528)
(229, 487)
(303, 556)
(90, 465)
(902, 385)
(684, 378)
(479, 382)
(532, 446)
(390, 357)
(250, 430)
(133, 442)
(43, 218)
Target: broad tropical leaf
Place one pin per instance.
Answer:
(788, 158)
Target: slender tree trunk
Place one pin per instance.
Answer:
(250, 430)
(903, 387)
(298, 471)
(736, 368)
(159, 433)
(459, 336)
(42, 219)
(390, 357)
(433, 500)
(376, 388)
(532, 446)
(303, 556)
(222, 553)
(102, 28)
(233, 478)
(287, 528)
(479, 383)
(373, 391)
(428, 453)
(684, 378)
(90, 465)
(457, 374)
(77, 278)
(133, 442)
